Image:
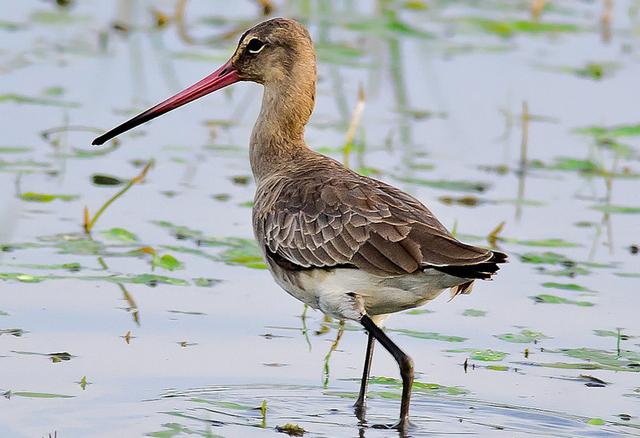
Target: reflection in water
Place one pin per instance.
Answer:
(522, 170)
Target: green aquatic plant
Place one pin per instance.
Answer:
(474, 312)
(566, 286)
(617, 209)
(424, 387)
(89, 221)
(45, 197)
(525, 336)
(554, 299)
(508, 28)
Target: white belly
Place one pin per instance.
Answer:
(346, 293)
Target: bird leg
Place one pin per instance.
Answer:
(360, 406)
(405, 363)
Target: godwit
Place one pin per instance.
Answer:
(352, 246)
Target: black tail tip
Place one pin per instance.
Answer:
(499, 257)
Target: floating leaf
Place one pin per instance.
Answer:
(507, 28)
(553, 299)
(469, 201)
(150, 280)
(428, 335)
(611, 333)
(120, 235)
(565, 286)
(20, 98)
(23, 278)
(524, 337)
(10, 25)
(628, 274)
(460, 186)
(488, 355)
(432, 388)
(474, 312)
(185, 312)
(55, 357)
(482, 355)
(587, 166)
(497, 367)
(592, 70)
(624, 360)
(45, 197)
(56, 18)
(388, 26)
(601, 132)
(608, 208)
(14, 149)
(547, 258)
(244, 252)
(106, 180)
(13, 332)
(596, 422)
(548, 243)
(418, 312)
(29, 394)
(167, 262)
(205, 282)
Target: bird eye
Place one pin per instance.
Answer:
(255, 46)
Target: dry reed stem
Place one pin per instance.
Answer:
(356, 116)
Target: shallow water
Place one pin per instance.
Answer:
(194, 343)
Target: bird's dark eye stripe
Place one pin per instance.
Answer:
(255, 45)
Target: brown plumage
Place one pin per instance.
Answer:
(352, 246)
(322, 215)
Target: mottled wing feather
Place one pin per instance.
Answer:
(314, 221)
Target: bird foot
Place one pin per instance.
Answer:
(402, 425)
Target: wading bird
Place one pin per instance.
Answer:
(352, 246)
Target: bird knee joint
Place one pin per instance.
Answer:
(406, 364)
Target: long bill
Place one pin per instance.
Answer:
(225, 75)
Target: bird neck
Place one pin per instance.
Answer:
(278, 135)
